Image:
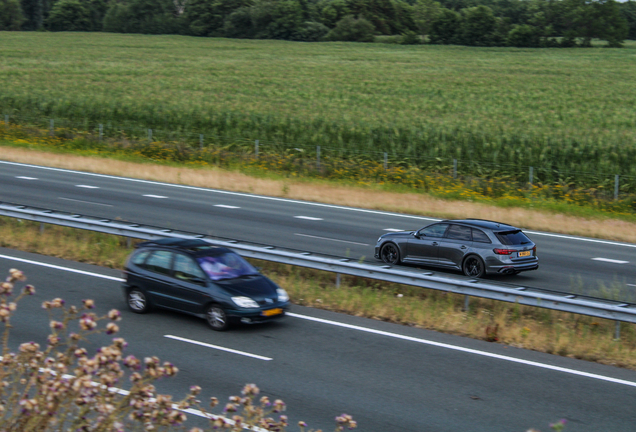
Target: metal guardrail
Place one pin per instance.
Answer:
(565, 302)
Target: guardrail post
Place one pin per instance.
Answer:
(531, 175)
(200, 141)
(149, 135)
(256, 149)
(454, 168)
(41, 227)
(52, 127)
(337, 280)
(616, 187)
(128, 242)
(101, 131)
(386, 161)
(617, 331)
(466, 300)
(318, 157)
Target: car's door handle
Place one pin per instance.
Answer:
(463, 247)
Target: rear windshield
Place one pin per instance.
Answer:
(511, 238)
(225, 266)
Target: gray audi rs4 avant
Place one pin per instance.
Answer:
(474, 246)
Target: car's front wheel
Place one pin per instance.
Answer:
(137, 301)
(474, 266)
(217, 318)
(390, 253)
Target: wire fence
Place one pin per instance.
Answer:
(309, 159)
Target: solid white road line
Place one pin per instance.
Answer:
(68, 269)
(393, 229)
(331, 239)
(243, 353)
(86, 202)
(26, 178)
(379, 332)
(308, 218)
(87, 186)
(155, 196)
(634, 285)
(610, 260)
(466, 350)
(226, 206)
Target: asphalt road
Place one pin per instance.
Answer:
(390, 377)
(569, 264)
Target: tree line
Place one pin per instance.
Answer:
(519, 23)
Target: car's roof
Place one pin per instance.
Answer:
(486, 224)
(198, 246)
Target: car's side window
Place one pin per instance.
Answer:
(480, 236)
(138, 259)
(435, 231)
(458, 232)
(160, 262)
(186, 269)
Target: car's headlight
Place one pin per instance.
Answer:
(379, 239)
(244, 302)
(282, 295)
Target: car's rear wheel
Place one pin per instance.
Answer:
(217, 318)
(474, 266)
(390, 253)
(137, 301)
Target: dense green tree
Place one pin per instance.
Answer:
(143, 16)
(329, 12)
(524, 36)
(207, 17)
(424, 13)
(33, 14)
(312, 31)
(628, 9)
(350, 29)
(239, 24)
(478, 26)
(69, 15)
(286, 20)
(11, 17)
(445, 28)
(387, 16)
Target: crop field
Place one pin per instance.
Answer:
(570, 113)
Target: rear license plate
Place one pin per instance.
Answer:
(525, 253)
(272, 312)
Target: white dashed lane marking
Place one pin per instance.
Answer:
(308, 218)
(393, 229)
(220, 348)
(26, 178)
(226, 206)
(87, 186)
(610, 260)
(155, 196)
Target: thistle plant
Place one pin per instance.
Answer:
(63, 387)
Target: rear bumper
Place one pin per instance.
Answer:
(514, 268)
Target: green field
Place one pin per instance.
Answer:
(570, 113)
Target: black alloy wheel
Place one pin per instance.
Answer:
(217, 318)
(390, 254)
(474, 266)
(137, 301)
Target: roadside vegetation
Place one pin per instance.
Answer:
(537, 329)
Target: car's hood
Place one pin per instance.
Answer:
(399, 234)
(257, 287)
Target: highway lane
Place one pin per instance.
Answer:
(567, 263)
(390, 377)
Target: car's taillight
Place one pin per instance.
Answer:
(504, 251)
(534, 250)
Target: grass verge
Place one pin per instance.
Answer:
(537, 329)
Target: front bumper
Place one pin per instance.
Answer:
(256, 315)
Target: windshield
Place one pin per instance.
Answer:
(226, 266)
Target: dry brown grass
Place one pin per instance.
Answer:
(611, 229)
